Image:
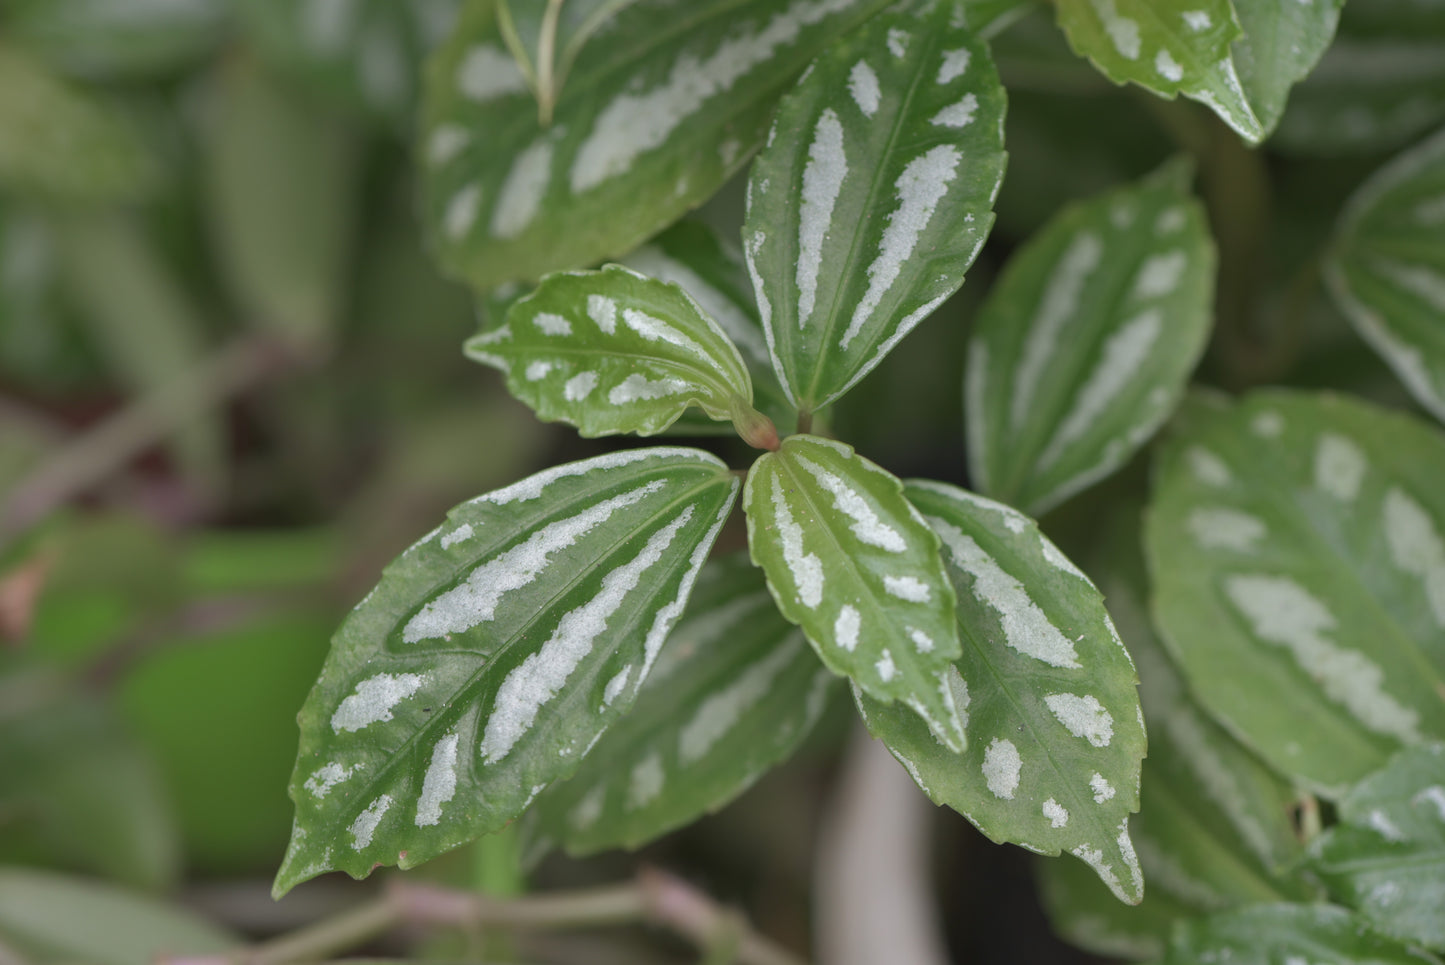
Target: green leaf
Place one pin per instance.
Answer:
(1083, 347)
(1386, 857)
(281, 181)
(52, 917)
(988, 18)
(852, 563)
(493, 653)
(60, 144)
(1381, 83)
(545, 39)
(1386, 268)
(614, 351)
(1055, 730)
(1170, 47)
(1301, 537)
(1082, 912)
(1282, 42)
(1271, 934)
(658, 112)
(118, 40)
(873, 195)
(735, 690)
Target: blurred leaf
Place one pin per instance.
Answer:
(862, 213)
(1046, 690)
(662, 107)
(282, 183)
(1386, 857)
(41, 346)
(1300, 536)
(1083, 912)
(58, 143)
(852, 563)
(1281, 44)
(1270, 934)
(57, 918)
(988, 18)
(1170, 47)
(736, 689)
(442, 710)
(1083, 347)
(614, 351)
(1386, 268)
(124, 41)
(545, 38)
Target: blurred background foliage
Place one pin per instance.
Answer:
(231, 389)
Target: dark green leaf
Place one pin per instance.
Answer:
(545, 38)
(873, 195)
(735, 690)
(492, 655)
(1047, 690)
(1300, 537)
(853, 564)
(1289, 934)
(117, 40)
(1083, 347)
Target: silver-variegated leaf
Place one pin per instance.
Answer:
(1170, 47)
(1055, 733)
(734, 692)
(1386, 857)
(850, 561)
(1281, 44)
(873, 195)
(493, 653)
(614, 351)
(545, 38)
(663, 104)
(1268, 934)
(1303, 536)
(1083, 347)
(1386, 268)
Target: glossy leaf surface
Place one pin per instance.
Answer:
(873, 195)
(850, 561)
(735, 690)
(1269, 934)
(1281, 44)
(493, 653)
(545, 38)
(1386, 857)
(1083, 347)
(614, 351)
(1301, 536)
(1387, 268)
(1055, 734)
(663, 104)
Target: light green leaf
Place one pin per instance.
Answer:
(662, 106)
(1386, 857)
(734, 692)
(58, 143)
(1386, 268)
(614, 351)
(545, 38)
(1170, 47)
(853, 564)
(1301, 537)
(1381, 83)
(493, 654)
(117, 40)
(1271, 934)
(1282, 42)
(1055, 734)
(873, 195)
(282, 182)
(1083, 347)
(53, 917)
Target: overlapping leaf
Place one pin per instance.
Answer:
(614, 351)
(1084, 345)
(545, 38)
(735, 690)
(1055, 730)
(1281, 44)
(873, 195)
(852, 563)
(1303, 537)
(493, 653)
(1387, 268)
(1267, 934)
(1170, 47)
(1387, 855)
(662, 105)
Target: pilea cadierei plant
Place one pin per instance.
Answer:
(569, 653)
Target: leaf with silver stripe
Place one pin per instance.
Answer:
(493, 654)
